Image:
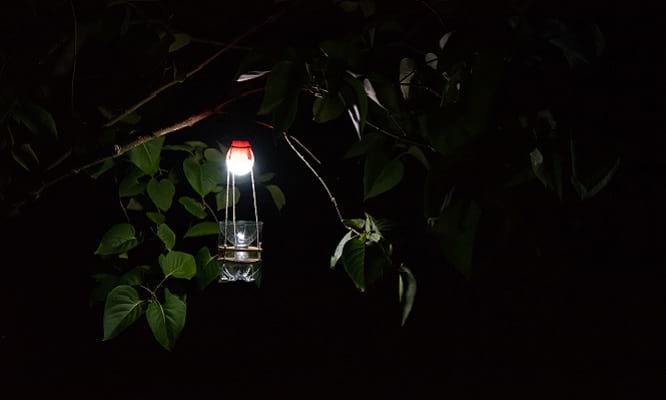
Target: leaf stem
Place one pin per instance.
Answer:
(152, 293)
(203, 200)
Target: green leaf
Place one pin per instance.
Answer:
(178, 265)
(167, 320)
(367, 7)
(146, 156)
(357, 149)
(548, 169)
(341, 50)
(123, 306)
(406, 291)
(221, 198)
(418, 154)
(431, 60)
(277, 87)
(97, 171)
(267, 177)
(193, 207)
(339, 248)
(281, 94)
(348, 6)
(364, 264)
(207, 268)
(456, 230)
(388, 178)
(134, 205)
(214, 155)
(277, 195)
(196, 144)
(134, 276)
(356, 223)
(251, 75)
(132, 118)
(20, 160)
(35, 118)
(203, 177)
(27, 148)
(177, 147)
(130, 185)
(156, 217)
(359, 114)
(161, 193)
(446, 132)
(407, 69)
(203, 229)
(166, 235)
(104, 284)
(591, 180)
(119, 238)
(180, 40)
(327, 108)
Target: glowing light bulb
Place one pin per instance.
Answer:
(240, 158)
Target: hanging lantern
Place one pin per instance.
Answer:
(239, 246)
(240, 158)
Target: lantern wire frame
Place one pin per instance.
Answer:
(231, 180)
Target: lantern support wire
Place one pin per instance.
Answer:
(226, 210)
(233, 207)
(256, 213)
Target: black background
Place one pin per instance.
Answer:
(586, 319)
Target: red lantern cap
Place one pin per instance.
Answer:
(240, 149)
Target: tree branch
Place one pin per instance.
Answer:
(402, 139)
(119, 150)
(230, 45)
(328, 191)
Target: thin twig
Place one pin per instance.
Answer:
(328, 191)
(427, 88)
(435, 12)
(122, 206)
(298, 142)
(198, 68)
(395, 121)
(219, 44)
(74, 55)
(210, 209)
(399, 138)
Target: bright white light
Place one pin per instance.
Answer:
(240, 165)
(241, 236)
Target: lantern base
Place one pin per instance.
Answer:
(239, 271)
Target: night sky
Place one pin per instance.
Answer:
(587, 317)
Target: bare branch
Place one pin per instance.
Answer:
(298, 142)
(119, 150)
(328, 191)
